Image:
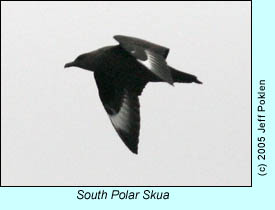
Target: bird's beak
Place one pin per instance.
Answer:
(69, 64)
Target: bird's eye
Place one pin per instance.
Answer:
(80, 58)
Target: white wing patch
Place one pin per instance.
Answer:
(121, 120)
(149, 62)
(157, 65)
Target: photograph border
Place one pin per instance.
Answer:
(159, 186)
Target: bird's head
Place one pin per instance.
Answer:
(89, 61)
(82, 61)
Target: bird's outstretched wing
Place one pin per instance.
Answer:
(152, 56)
(126, 40)
(122, 106)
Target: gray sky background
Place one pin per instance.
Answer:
(55, 130)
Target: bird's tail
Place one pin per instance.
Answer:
(183, 77)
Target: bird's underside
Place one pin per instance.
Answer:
(127, 69)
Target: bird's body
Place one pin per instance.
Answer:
(112, 57)
(121, 72)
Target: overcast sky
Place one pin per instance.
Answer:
(55, 130)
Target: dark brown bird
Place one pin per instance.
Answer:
(121, 72)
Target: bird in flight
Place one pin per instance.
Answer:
(121, 72)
